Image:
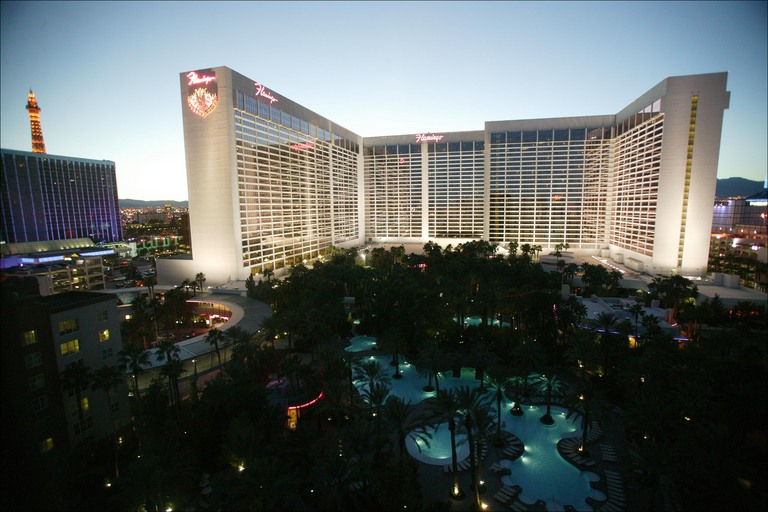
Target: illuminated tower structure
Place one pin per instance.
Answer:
(38, 144)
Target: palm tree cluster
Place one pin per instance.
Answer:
(349, 451)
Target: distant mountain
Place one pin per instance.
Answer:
(139, 203)
(734, 187)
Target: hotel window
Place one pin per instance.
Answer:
(106, 353)
(102, 315)
(30, 338)
(32, 360)
(36, 382)
(103, 335)
(82, 426)
(47, 445)
(70, 347)
(40, 404)
(84, 404)
(68, 326)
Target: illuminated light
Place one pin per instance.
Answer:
(294, 407)
(195, 79)
(264, 93)
(455, 490)
(429, 137)
(202, 102)
(302, 145)
(484, 505)
(687, 418)
(240, 467)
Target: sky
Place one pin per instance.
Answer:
(106, 74)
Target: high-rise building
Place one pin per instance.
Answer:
(51, 197)
(38, 144)
(272, 183)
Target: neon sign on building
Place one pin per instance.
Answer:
(264, 93)
(429, 137)
(202, 93)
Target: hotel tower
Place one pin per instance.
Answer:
(272, 183)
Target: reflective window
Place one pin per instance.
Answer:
(545, 135)
(529, 136)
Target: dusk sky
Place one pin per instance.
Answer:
(106, 74)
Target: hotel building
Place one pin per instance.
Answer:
(47, 197)
(272, 183)
(42, 337)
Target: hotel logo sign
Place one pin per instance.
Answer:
(428, 137)
(264, 93)
(202, 92)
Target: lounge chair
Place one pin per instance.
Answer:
(502, 497)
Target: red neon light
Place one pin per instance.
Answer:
(302, 145)
(429, 137)
(202, 102)
(195, 79)
(306, 404)
(264, 93)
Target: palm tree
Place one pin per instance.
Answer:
(134, 357)
(482, 357)
(376, 397)
(636, 310)
(551, 385)
(402, 417)
(372, 371)
(214, 337)
(470, 401)
(200, 279)
(105, 379)
(444, 408)
(498, 381)
(150, 282)
(77, 378)
(430, 362)
(394, 343)
(168, 352)
(591, 407)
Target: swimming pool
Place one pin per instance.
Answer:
(541, 472)
(361, 343)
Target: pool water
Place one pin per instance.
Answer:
(411, 386)
(361, 343)
(541, 472)
(439, 450)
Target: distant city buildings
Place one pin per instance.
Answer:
(272, 184)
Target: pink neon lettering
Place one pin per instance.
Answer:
(423, 137)
(301, 145)
(195, 79)
(264, 93)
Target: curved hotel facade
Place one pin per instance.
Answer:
(272, 183)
